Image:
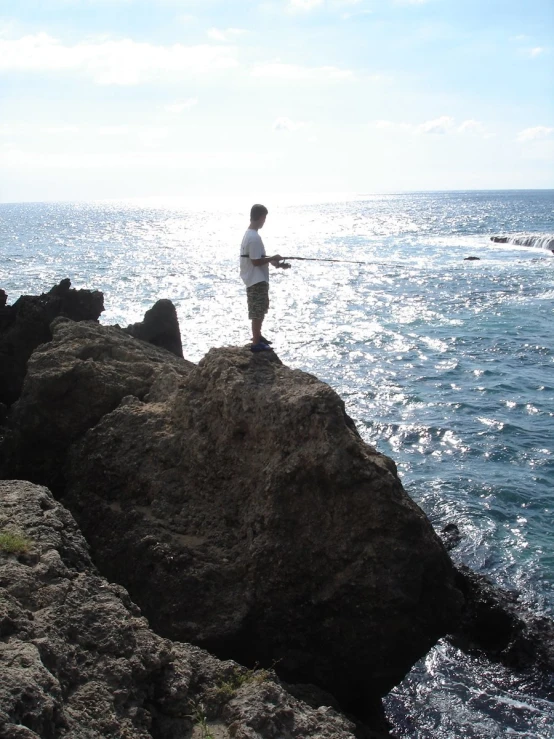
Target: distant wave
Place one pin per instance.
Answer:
(539, 241)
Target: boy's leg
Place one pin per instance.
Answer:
(258, 304)
(257, 330)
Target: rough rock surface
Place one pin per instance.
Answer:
(160, 327)
(26, 324)
(237, 503)
(78, 661)
(71, 383)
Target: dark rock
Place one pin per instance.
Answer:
(239, 507)
(472, 259)
(450, 535)
(26, 325)
(80, 662)
(496, 623)
(72, 382)
(159, 327)
(541, 241)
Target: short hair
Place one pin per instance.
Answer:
(257, 211)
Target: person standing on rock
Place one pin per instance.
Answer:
(254, 270)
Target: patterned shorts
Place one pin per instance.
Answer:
(258, 300)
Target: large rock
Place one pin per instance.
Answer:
(160, 327)
(237, 503)
(80, 662)
(72, 382)
(26, 324)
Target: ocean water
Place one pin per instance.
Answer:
(446, 365)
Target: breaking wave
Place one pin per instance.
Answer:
(537, 241)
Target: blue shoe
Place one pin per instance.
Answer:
(265, 341)
(261, 347)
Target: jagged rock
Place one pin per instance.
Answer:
(450, 535)
(80, 662)
(496, 623)
(159, 327)
(241, 509)
(26, 324)
(72, 382)
(500, 239)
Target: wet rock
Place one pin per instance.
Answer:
(80, 662)
(472, 259)
(159, 327)
(540, 241)
(450, 536)
(239, 506)
(496, 622)
(26, 325)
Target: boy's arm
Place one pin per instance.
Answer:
(267, 260)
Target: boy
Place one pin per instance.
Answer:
(254, 270)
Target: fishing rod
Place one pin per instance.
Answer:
(315, 259)
(324, 259)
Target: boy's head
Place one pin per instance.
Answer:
(258, 214)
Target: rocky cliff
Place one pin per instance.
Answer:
(238, 505)
(80, 662)
(236, 502)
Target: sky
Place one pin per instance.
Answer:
(181, 98)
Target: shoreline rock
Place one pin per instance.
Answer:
(159, 327)
(80, 661)
(26, 324)
(238, 505)
(495, 623)
(237, 502)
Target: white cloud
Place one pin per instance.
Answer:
(121, 62)
(535, 133)
(132, 160)
(113, 130)
(393, 125)
(180, 107)
(153, 136)
(60, 129)
(13, 129)
(443, 125)
(279, 70)
(436, 126)
(474, 128)
(217, 34)
(285, 124)
(536, 51)
(305, 6)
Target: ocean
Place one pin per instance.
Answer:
(445, 364)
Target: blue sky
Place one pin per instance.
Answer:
(141, 98)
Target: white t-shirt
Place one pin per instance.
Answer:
(252, 247)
